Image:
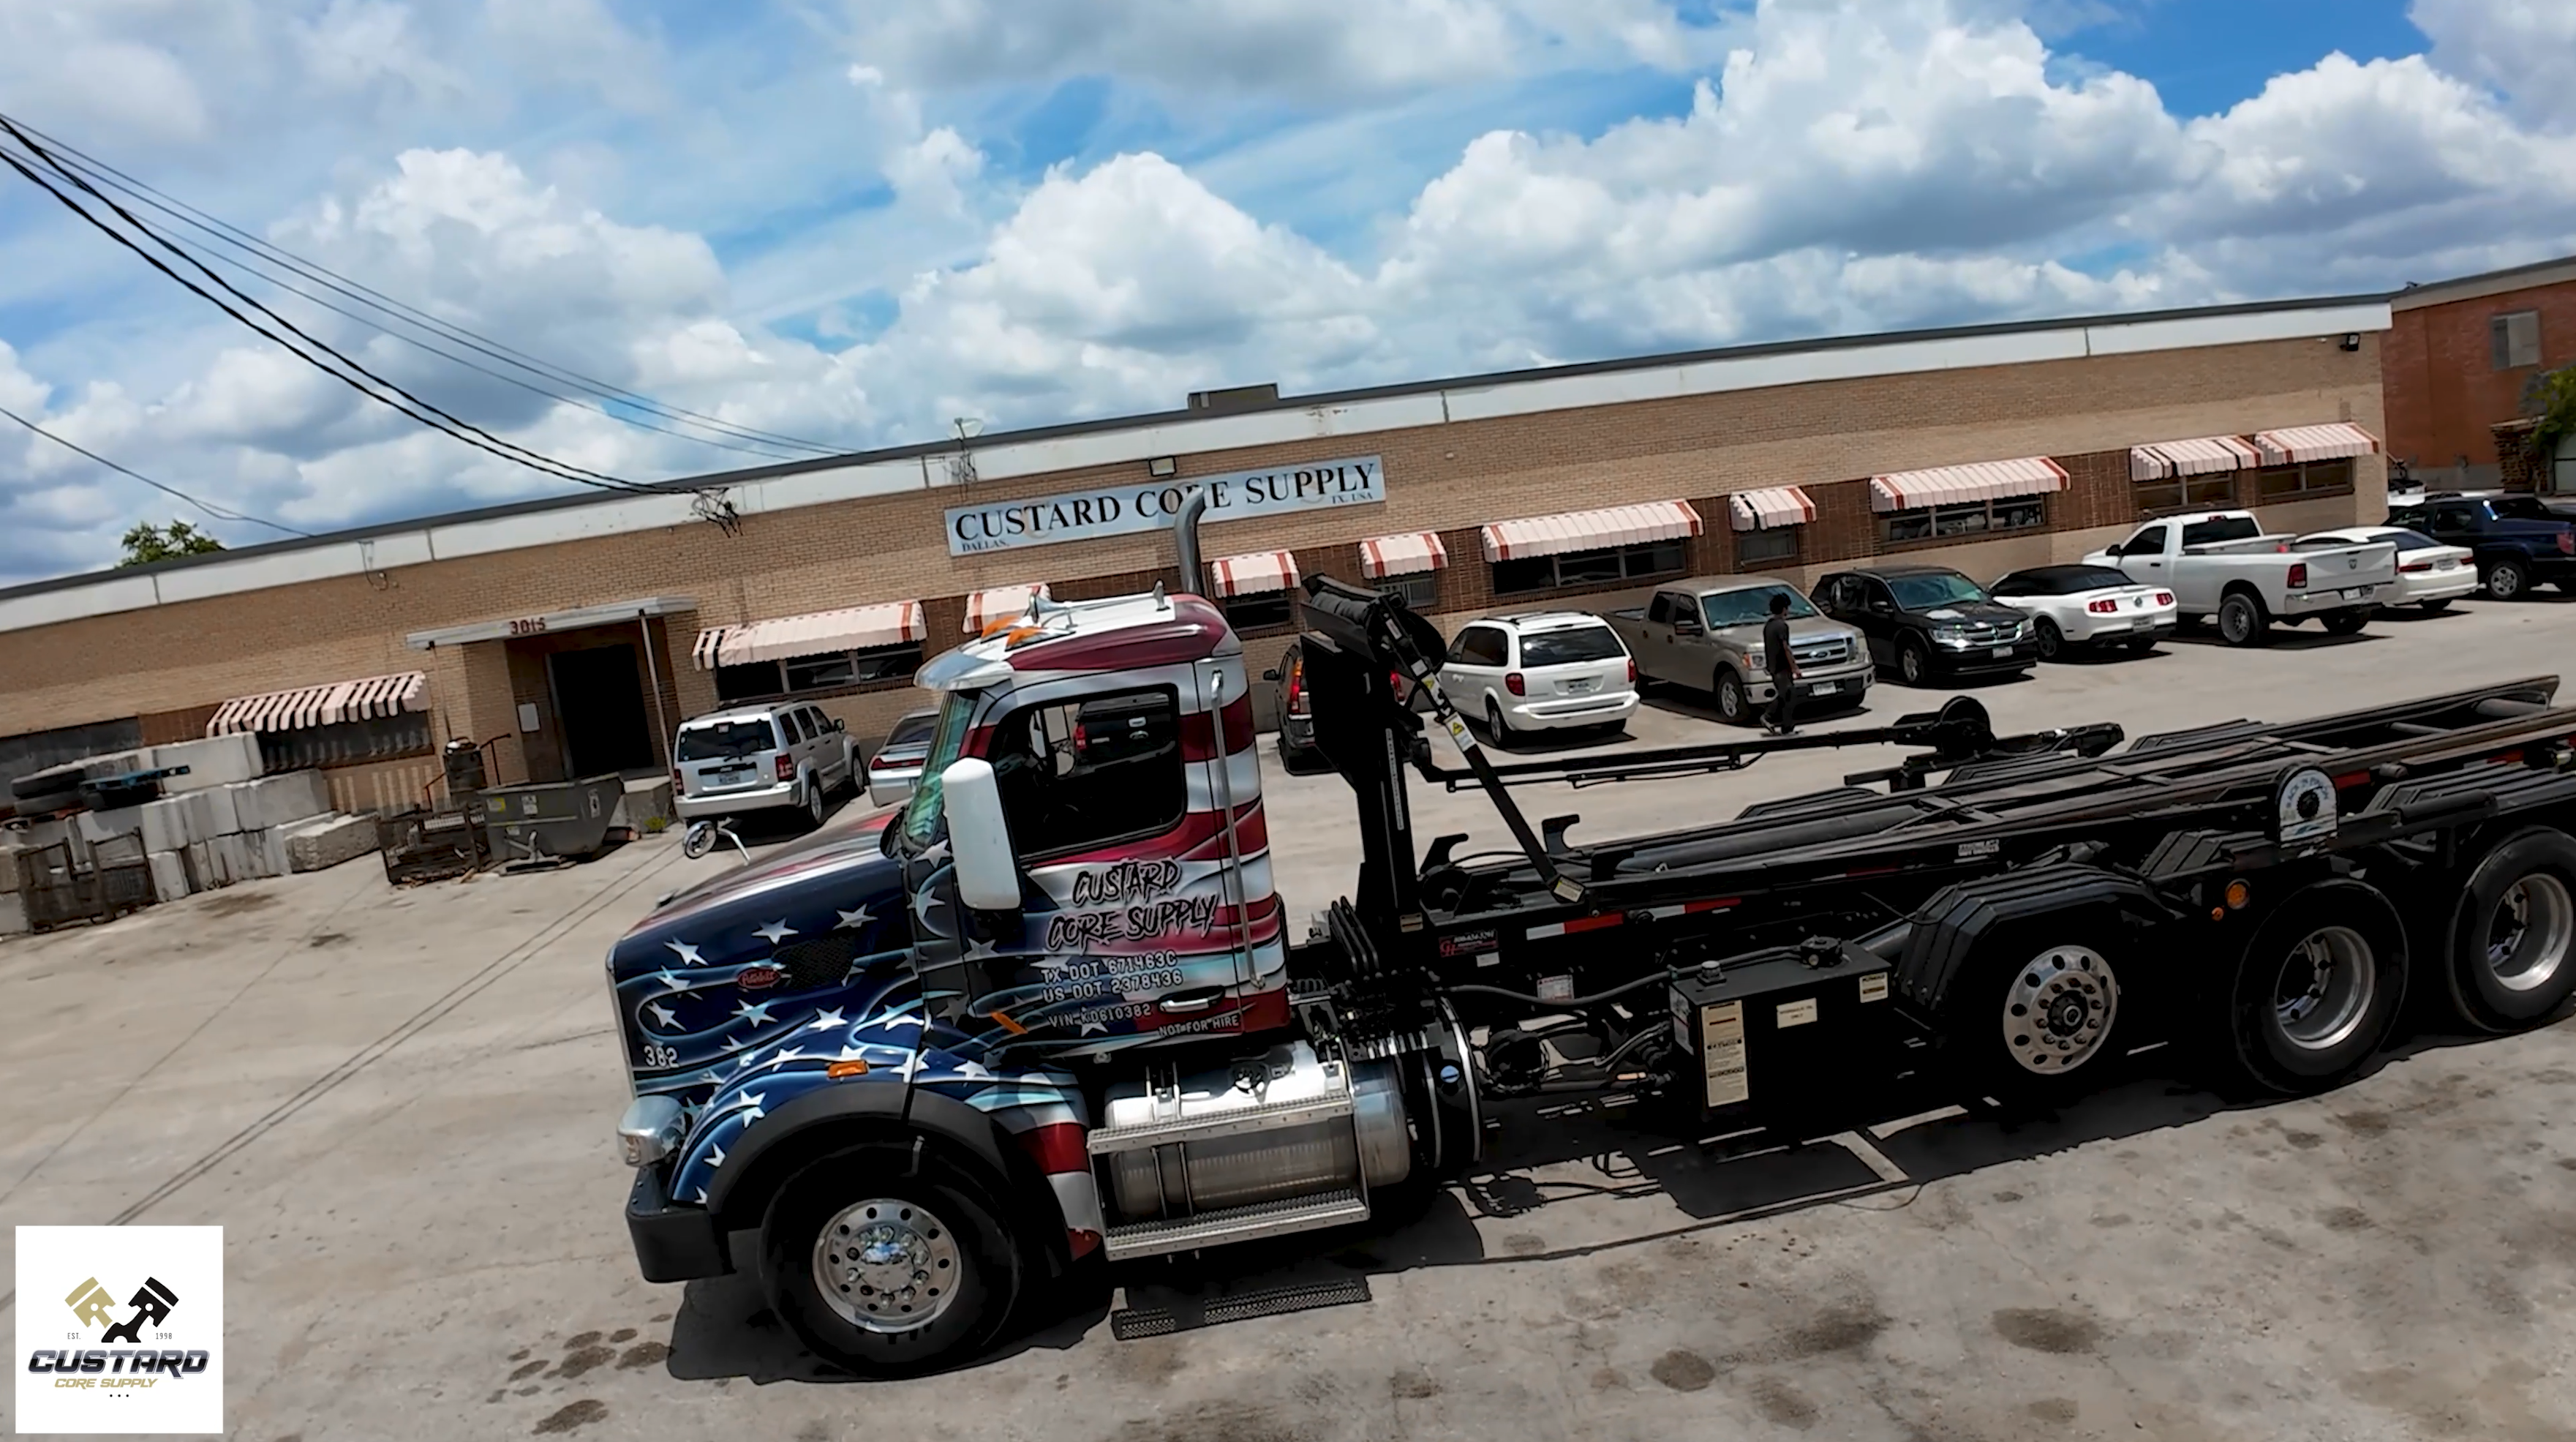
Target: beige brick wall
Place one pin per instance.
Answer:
(1449, 478)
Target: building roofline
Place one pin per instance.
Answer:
(925, 452)
(2485, 283)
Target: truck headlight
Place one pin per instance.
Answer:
(650, 1130)
(2021, 630)
(1754, 664)
(1950, 635)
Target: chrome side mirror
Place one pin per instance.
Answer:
(979, 836)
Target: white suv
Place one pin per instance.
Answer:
(778, 754)
(1545, 671)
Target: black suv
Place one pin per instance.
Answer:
(2519, 540)
(1929, 621)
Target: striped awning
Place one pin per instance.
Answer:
(2205, 456)
(2299, 445)
(999, 603)
(1777, 506)
(853, 628)
(1590, 530)
(1405, 555)
(368, 696)
(1957, 485)
(1256, 574)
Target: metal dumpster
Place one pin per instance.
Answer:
(551, 820)
(430, 845)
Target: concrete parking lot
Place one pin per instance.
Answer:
(399, 1104)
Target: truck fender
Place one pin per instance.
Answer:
(1945, 930)
(784, 1141)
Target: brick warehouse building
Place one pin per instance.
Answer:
(573, 633)
(2460, 355)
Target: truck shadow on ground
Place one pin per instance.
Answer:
(1573, 1156)
(2282, 638)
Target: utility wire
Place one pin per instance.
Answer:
(232, 236)
(218, 512)
(460, 429)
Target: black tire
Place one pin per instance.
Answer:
(2505, 580)
(2510, 955)
(2347, 623)
(948, 1215)
(1500, 729)
(1733, 706)
(815, 807)
(2434, 608)
(2242, 620)
(2036, 1015)
(2052, 642)
(2317, 989)
(1914, 662)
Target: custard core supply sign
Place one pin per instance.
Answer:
(120, 1329)
(1124, 510)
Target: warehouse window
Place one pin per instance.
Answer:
(829, 671)
(1420, 591)
(2316, 478)
(1776, 546)
(1968, 518)
(2185, 493)
(2513, 339)
(1607, 566)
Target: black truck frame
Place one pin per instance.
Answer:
(2010, 915)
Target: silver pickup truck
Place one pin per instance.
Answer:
(1706, 634)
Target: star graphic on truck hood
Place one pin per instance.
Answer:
(853, 920)
(775, 932)
(688, 954)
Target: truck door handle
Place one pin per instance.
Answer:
(1199, 999)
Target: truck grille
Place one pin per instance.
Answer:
(1823, 653)
(1989, 633)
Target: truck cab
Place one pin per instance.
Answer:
(2224, 564)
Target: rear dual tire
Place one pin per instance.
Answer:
(2510, 958)
(2317, 989)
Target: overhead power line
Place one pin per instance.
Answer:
(616, 397)
(220, 513)
(373, 386)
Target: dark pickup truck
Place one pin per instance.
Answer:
(2519, 541)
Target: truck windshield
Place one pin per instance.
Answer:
(727, 740)
(1753, 606)
(1922, 593)
(921, 814)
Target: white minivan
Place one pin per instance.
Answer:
(1546, 671)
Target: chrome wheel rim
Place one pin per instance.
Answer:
(887, 1266)
(2057, 1014)
(2531, 932)
(1911, 663)
(1730, 698)
(2325, 989)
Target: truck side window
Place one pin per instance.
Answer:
(1077, 775)
(2149, 542)
(1660, 609)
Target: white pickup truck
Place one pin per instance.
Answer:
(2223, 564)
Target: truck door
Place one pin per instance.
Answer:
(1877, 617)
(1236, 857)
(2143, 557)
(1659, 644)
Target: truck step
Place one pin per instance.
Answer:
(1276, 1116)
(1235, 1224)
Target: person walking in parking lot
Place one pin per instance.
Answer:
(1782, 719)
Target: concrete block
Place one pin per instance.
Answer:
(169, 823)
(646, 808)
(13, 914)
(169, 874)
(214, 761)
(274, 801)
(52, 831)
(328, 841)
(98, 826)
(117, 763)
(269, 851)
(217, 812)
(208, 862)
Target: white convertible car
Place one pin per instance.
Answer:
(2429, 574)
(2088, 606)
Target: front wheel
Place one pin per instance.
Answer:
(2317, 988)
(1733, 706)
(1913, 662)
(2242, 622)
(889, 1263)
(2512, 952)
(2506, 580)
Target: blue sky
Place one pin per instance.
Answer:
(849, 221)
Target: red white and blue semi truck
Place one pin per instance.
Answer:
(1051, 1011)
